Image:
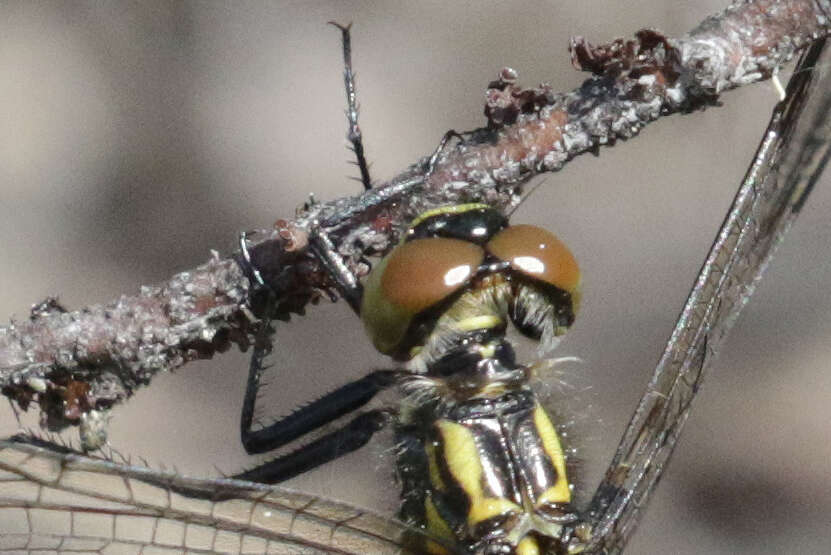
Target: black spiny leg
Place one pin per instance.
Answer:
(434, 158)
(320, 243)
(313, 416)
(262, 342)
(339, 402)
(336, 444)
(347, 398)
(354, 134)
(343, 400)
(350, 288)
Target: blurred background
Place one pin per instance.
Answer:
(134, 137)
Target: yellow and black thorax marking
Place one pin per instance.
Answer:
(487, 473)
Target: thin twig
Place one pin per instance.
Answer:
(95, 357)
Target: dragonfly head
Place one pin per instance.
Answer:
(458, 275)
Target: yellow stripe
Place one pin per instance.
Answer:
(435, 475)
(463, 462)
(462, 457)
(528, 546)
(454, 209)
(435, 523)
(492, 390)
(488, 507)
(483, 322)
(487, 351)
(434, 548)
(560, 493)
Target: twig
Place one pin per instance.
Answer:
(73, 362)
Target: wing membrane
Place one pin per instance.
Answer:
(790, 158)
(68, 503)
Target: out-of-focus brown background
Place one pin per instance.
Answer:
(136, 137)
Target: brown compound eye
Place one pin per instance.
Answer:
(537, 253)
(421, 273)
(412, 278)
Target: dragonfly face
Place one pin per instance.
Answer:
(641, 216)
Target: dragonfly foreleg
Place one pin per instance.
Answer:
(354, 134)
(331, 446)
(347, 398)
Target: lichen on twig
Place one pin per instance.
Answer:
(70, 363)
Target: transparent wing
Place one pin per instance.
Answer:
(68, 503)
(792, 154)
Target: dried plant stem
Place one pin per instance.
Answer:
(73, 362)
